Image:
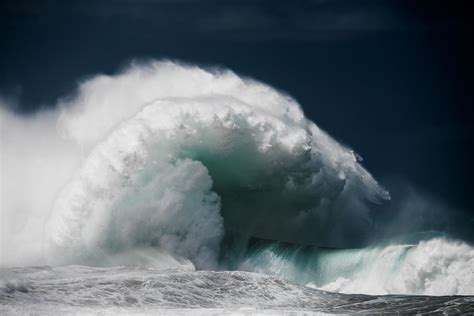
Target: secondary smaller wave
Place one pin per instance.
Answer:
(434, 267)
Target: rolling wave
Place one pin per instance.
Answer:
(161, 165)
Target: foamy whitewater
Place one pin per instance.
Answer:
(135, 188)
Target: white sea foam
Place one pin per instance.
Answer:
(432, 267)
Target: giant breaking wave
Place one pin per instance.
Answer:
(160, 164)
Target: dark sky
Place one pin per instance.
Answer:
(392, 79)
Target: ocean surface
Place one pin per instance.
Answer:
(81, 289)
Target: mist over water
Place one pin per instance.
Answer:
(161, 165)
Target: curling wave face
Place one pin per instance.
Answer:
(175, 165)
